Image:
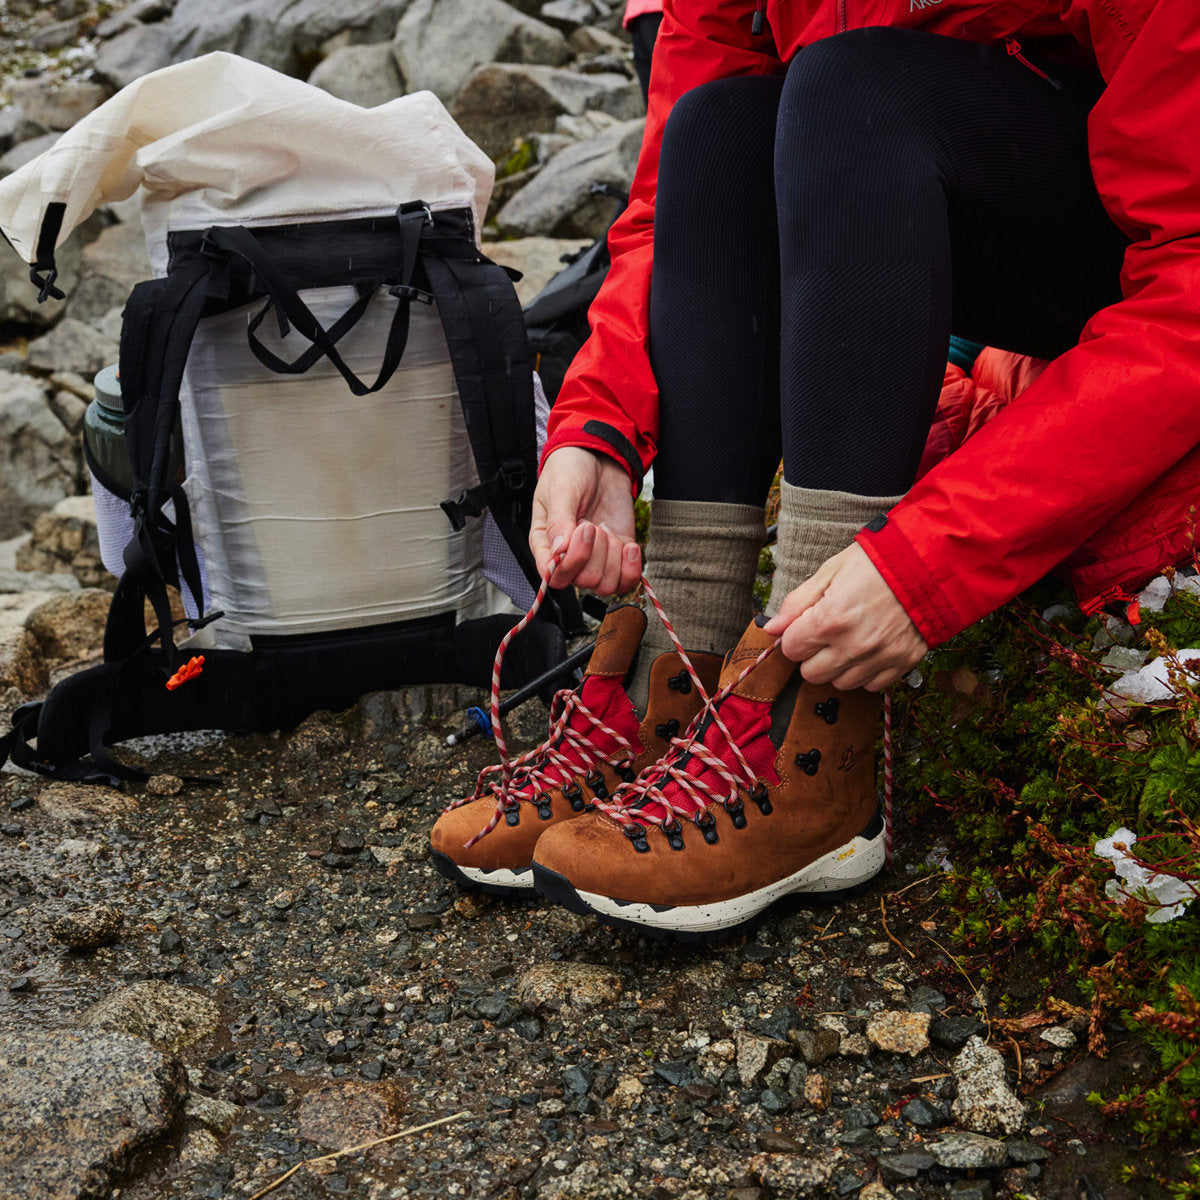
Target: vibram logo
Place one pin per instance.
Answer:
(851, 758)
(845, 854)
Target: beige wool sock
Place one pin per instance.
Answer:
(815, 525)
(701, 561)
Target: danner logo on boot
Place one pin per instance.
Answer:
(741, 654)
(851, 758)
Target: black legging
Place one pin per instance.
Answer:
(818, 237)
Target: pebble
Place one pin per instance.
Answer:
(1023, 1153)
(954, 1032)
(875, 1191)
(778, 1143)
(899, 1032)
(757, 1055)
(817, 1092)
(170, 942)
(580, 987)
(348, 842)
(855, 1045)
(19, 983)
(217, 1115)
(471, 905)
(897, 1168)
(164, 785)
(626, 1094)
(815, 1045)
(773, 1102)
(12, 830)
(21, 803)
(339, 1114)
(925, 1114)
(87, 928)
(968, 1152)
(1060, 1037)
(985, 1103)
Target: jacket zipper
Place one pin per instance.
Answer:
(756, 23)
(1014, 49)
(841, 16)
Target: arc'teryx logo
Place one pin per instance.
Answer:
(917, 5)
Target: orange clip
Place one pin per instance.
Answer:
(1133, 614)
(189, 670)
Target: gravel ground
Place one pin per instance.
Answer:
(335, 989)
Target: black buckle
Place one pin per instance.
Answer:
(810, 762)
(827, 710)
(406, 291)
(513, 475)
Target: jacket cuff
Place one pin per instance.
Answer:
(912, 583)
(601, 438)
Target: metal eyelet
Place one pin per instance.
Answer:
(737, 813)
(595, 781)
(681, 683)
(674, 835)
(827, 710)
(758, 793)
(668, 730)
(707, 825)
(573, 795)
(637, 835)
(810, 762)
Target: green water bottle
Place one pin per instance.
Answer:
(104, 437)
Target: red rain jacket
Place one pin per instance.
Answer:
(1096, 463)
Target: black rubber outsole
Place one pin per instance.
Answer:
(448, 869)
(556, 888)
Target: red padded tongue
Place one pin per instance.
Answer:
(749, 722)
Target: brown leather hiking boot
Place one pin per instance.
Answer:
(596, 742)
(774, 793)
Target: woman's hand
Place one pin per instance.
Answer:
(847, 627)
(583, 502)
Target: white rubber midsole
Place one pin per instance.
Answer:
(857, 861)
(499, 876)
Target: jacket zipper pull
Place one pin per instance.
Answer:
(1014, 49)
(756, 25)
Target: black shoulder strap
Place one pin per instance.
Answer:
(493, 368)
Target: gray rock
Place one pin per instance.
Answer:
(439, 43)
(69, 409)
(815, 1045)
(795, 1176)
(66, 539)
(757, 1055)
(925, 1114)
(284, 34)
(500, 102)
(56, 106)
(955, 1032)
(968, 1152)
(567, 985)
(538, 259)
(87, 928)
(72, 346)
(140, 12)
(75, 1106)
(135, 51)
(26, 151)
(56, 36)
(567, 14)
(985, 1103)
(39, 462)
(363, 75)
(21, 663)
(559, 202)
(591, 39)
(218, 1115)
(12, 580)
(896, 1168)
(15, 127)
(899, 1032)
(167, 1016)
(113, 263)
